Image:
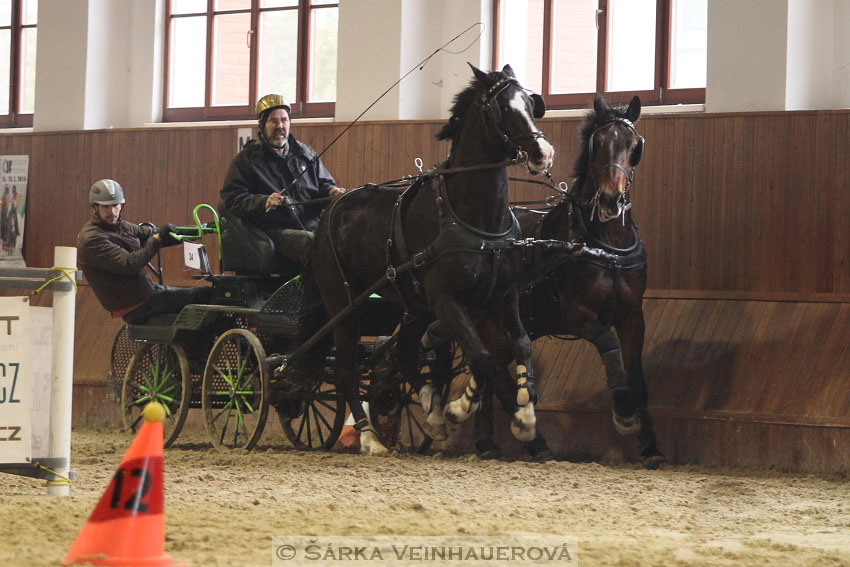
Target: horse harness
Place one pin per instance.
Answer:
(454, 236)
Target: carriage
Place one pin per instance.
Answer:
(220, 358)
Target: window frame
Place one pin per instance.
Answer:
(301, 107)
(15, 118)
(661, 94)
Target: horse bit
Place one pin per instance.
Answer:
(623, 204)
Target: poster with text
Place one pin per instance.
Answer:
(15, 390)
(13, 205)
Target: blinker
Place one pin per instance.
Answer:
(539, 108)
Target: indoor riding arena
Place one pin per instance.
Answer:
(735, 177)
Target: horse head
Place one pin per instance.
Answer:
(612, 148)
(507, 112)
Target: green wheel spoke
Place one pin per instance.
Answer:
(168, 399)
(138, 401)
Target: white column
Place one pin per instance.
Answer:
(63, 371)
(747, 46)
(368, 55)
(811, 65)
(382, 40)
(60, 86)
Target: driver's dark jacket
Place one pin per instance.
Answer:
(113, 259)
(256, 172)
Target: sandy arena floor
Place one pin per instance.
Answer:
(223, 509)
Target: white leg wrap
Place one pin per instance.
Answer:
(461, 409)
(426, 395)
(524, 422)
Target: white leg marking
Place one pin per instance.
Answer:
(523, 423)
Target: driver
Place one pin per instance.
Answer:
(113, 254)
(269, 164)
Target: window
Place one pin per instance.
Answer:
(223, 55)
(570, 49)
(17, 61)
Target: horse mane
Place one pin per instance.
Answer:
(592, 121)
(460, 106)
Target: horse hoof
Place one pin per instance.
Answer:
(453, 412)
(436, 432)
(435, 424)
(487, 450)
(538, 450)
(626, 425)
(654, 462)
(371, 445)
(523, 423)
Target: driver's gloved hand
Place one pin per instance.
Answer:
(164, 232)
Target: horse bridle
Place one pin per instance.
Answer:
(494, 114)
(634, 160)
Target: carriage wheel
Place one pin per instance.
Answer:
(320, 422)
(122, 353)
(158, 373)
(235, 391)
(398, 419)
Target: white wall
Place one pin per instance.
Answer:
(811, 40)
(102, 66)
(475, 44)
(746, 55)
(107, 76)
(368, 58)
(381, 41)
(421, 33)
(146, 68)
(841, 55)
(61, 62)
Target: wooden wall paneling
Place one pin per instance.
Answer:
(774, 358)
(688, 232)
(357, 155)
(837, 206)
(757, 201)
(667, 260)
(823, 220)
(738, 177)
(754, 234)
(691, 319)
(385, 162)
(807, 338)
(826, 363)
(802, 275)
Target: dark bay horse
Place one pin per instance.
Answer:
(443, 249)
(586, 295)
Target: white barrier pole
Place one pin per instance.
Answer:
(63, 371)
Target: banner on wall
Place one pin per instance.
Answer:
(15, 381)
(13, 204)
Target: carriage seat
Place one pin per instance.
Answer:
(247, 250)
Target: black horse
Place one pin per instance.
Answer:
(443, 249)
(586, 295)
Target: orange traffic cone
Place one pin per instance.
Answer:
(127, 527)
